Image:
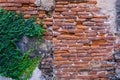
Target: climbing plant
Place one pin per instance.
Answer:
(13, 63)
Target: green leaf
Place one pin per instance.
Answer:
(13, 27)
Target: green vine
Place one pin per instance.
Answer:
(13, 63)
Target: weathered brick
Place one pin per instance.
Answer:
(10, 4)
(19, 1)
(30, 12)
(84, 77)
(31, 1)
(28, 8)
(85, 16)
(12, 8)
(97, 20)
(60, 51)
(81, 39)
(83, 13)
(77, 9)
(47, 23)
(82, 27)
(62, 3)
(60, 59)
(61, 9)
(89, 23)
(98, 54)
(48, 37)
(27, 16)
(68, 13)
(100, 16)
(80, 20)
(2, 1)
(92, 2)
(69, 17)
(86, 58)
(68, 37)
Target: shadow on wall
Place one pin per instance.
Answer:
(43, 48)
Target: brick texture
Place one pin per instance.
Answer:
(82, 41)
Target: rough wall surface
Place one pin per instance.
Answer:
(83, 42)
(108, 8)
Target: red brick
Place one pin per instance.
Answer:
(80, 20)
(68, 13)
(42, 15)
(58, 17)
(47, 23)
(10, 4)
(83, 13)
(80, 63)
(12, 8)
(72, 50)
(82, 27)
(60, 45)
(49, 19)
(82, 53)
(28, 8)
(88, 23)
(48, 37)
(86, 58)
(68, 37)
(80, 34)
(59, 6)
(102, 79)
(2, 1)
(69, 55)
(19, 1)
(78, 9)
(100, 16)
(60, 59)
(30, 12)
(101, 74)
(84, 77)
(27, 16)
(32, 1)
(98, 20)
(70, 20)
(73, 59)
(98, 54)
(61, 9)
(92, 2)
(62, 3)
(69, 17)
(85, 16)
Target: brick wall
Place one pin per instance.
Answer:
(80, 33)
(83, 43)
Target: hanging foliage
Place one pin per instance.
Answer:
(13, 63)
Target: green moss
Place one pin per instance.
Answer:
(13, 27)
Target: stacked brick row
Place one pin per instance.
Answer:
(83, 45)
(82, 41)
(29, 9)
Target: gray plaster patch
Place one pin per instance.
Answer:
(4, 78)
(108, 8)
(45, 4)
